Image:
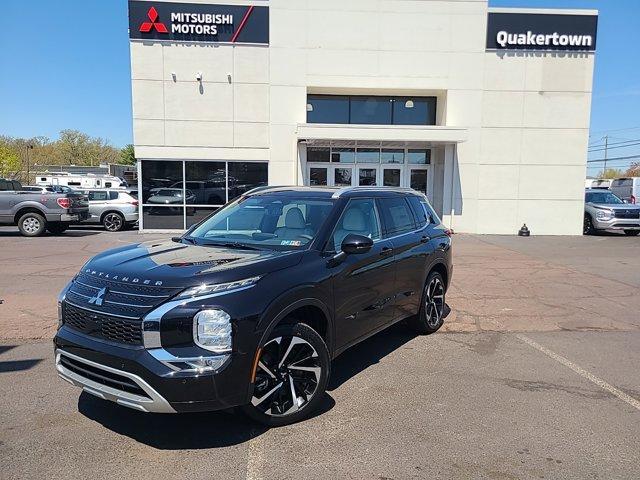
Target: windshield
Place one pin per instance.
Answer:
(607, 198)
(280, 222)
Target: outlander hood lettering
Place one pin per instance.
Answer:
(123, 278)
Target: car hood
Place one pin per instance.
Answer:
(616, 206)
(173, 264)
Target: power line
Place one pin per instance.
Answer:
(615, 146)
(615, 130)
(615, 143)
(630, 157)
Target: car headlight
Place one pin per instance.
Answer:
(217, 287)
(212, 330)
(604, 215)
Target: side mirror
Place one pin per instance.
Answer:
(354, 244)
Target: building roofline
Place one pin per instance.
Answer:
(545, 11)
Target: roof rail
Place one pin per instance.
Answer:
(262, 188)
(374, 188)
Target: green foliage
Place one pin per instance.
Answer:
(611, 173)
(10, 164)
(127, 155)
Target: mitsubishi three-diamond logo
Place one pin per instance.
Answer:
(98, 298)
(153, 23)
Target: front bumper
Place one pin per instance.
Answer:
(137, 379)
(617, 224)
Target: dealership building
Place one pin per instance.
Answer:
(485, 110)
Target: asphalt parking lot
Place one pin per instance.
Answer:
(535, 375)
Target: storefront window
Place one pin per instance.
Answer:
(317, 176)
(207, 181)
(170, 218)
(327, 109)
(371, 110)
(368, 155)
(343, 155)
(414, 111)
(244, 176)
(318, 154)
(158, 174)
(342, 177)
(419, 157)
(392, 155)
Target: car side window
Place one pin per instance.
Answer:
(420, 213)
(113, 195)
(97, 195)
(360, 217)
(396, 215)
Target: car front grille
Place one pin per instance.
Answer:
(103, 377)
(627, 214)
(114, 329)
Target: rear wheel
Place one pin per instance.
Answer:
(587, 226)
(431, 315)
(632, 233)
(56, 228)
(291, 376)
(113, 222)
(32, 224)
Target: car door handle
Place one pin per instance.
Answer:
(425, 239)
(386, 251)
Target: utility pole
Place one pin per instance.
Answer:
(606, 146)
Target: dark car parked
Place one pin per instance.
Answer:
(249, 307)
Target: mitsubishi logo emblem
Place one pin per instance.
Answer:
(97, 299)
(153, 24)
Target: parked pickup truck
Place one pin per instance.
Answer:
(35, 212)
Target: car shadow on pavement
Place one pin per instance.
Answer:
(189, 431)
(68, 233)
(18, 365)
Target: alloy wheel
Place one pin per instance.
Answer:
(113, 222)
(287, 376)
(31, 225)
(586, 229)
(434, 302)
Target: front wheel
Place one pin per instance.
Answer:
(587, 226)
(431, 315)
(631, 233)
(291, 376)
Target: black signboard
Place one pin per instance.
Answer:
(541, 31)
(198, 22)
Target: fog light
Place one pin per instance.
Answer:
(212, 330)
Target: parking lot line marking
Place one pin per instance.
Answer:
(255, 457)
(581, 371)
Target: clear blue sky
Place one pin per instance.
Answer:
(65, 64)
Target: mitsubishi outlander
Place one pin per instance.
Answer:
(248, 308)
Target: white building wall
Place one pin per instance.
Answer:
(526, 114)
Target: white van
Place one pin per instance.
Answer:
(597, 183)
(627, 189)
(80, 182)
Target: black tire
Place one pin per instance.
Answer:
(632, 233)
(294, 361)
(113, 222)
(32, 224)
(431, 315)
(587, 226)
(56, 228)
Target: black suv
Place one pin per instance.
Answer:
(249, 307)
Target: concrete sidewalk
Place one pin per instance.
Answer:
(499, 283)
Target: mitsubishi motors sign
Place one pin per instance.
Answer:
(198, 22)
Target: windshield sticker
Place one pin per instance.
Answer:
(291, 243)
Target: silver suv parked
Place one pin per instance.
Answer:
(113, 208)
(605, 211)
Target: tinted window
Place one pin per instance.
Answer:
(414, 111)
(113, 195)
(419, 157)
(207, 181)
(244, 176)
(159, 174)
(317, 176)
(4, 185)
(368, 155)
(343, 155)
(604, 197)
(16, 185)
(359, 217)
(134, 193)
(396, 215)
(371, 110)
(318, 154)
(419, 212)
(97, 195)
(392, 155)
(327, 109)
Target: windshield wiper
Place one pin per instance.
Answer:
(235, 245)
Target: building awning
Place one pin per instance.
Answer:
(392, 136)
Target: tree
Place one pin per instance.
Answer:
(127, 155)
(10, 164)
(633, 170)
(611, 173)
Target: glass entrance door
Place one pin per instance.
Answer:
(367, 175)
(391, 176)
(418, 179)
